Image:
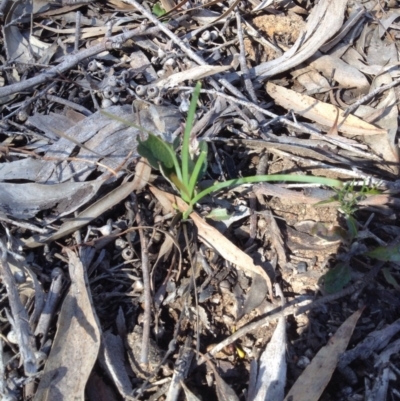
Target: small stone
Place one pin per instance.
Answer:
(301, 268)
(303, 362)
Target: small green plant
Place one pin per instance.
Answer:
(186, 171)
(158, 10)
(349, 199)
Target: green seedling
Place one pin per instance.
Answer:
(186, 171)
(158, 10)
(349, 199)
(336, 278)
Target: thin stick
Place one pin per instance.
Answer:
(144, 356)
(295, 310)
(70, 104)
(242, 60)
(49, 309)
(368, 97)
(73, 59)
(30, 99)
(78, 30)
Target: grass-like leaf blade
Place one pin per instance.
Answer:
(185, 154)
(154, 148)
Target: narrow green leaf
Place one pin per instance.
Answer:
(218, 214)
(390, 279)
(352, 228)
(389, 253)
(199, 168)
(160, 150)
(267, 178)
(157, 10)
(336, 278)
(185, 154)
(181, 187)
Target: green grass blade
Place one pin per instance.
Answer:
(185, 154)
(201, 160)
(267, 178)
(181, 187)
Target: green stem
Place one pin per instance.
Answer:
(196, 171)
(266, 178)
(185, 154)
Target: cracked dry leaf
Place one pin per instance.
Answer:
(23, 201)
(77, 341)
(320, 112)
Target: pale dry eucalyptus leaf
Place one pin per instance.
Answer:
(194, 73)
(112, 357)
(353, 57)
(310, 385)
(347, 76)
(23, 201)
(313, 81)
(47, 122)
(98, 133)
(188, 394)
(207, 16)
(16, 43)
(381, 51)
(23, 169)
(320, 112)
(76, 343)
(102, 135)
(387, 118)
(142, 176)
(271, 378)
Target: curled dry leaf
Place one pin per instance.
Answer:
(320, 112)
(324, 21)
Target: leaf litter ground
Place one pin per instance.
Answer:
(107, 292)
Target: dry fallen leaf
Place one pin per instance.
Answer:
(214, 239)
(142, 175)
(325, 19)
(271, 379)
(320, 112)
(76, 343)
(312, 382)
